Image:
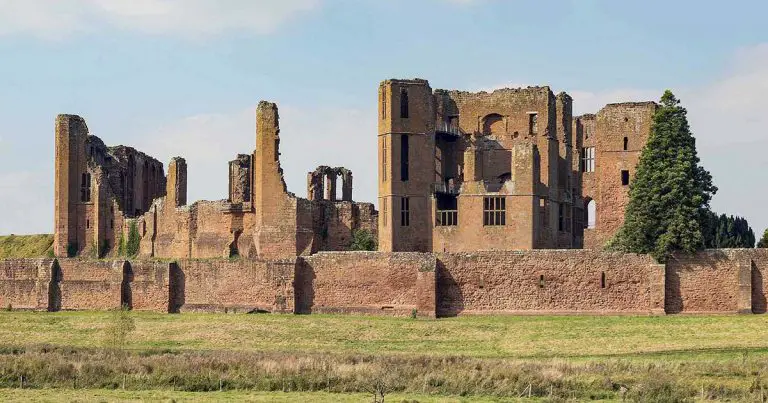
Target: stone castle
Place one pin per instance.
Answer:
(488, 202)
(458, 172)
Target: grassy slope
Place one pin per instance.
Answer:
(26, 246)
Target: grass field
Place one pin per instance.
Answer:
(26, 246)
(253, 357)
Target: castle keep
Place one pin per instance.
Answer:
(506, 170)
(493, 202)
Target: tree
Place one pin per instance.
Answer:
(670, 193)
(726, 231)
(763, 243)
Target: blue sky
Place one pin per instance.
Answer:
(182, 77)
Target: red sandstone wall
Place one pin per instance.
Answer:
(238, 285)
(724, 281)
(759, 275)
(149, 285)
(365, 282)
(24, 283)
(90, 284)
(509, 282)
(711, 281)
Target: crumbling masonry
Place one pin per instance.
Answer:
(489, 203)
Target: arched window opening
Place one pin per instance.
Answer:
(626, 143)
(493, 124)
(602, 280)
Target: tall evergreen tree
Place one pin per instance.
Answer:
(670, 191)
(726, 231)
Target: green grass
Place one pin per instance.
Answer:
(663, 358)
(26, 246)
(573, 337)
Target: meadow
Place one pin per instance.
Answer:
(266, 357)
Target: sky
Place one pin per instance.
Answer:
(183, 78)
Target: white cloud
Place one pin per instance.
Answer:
(187, 18)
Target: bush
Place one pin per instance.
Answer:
(362, 239)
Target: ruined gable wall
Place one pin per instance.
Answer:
(509, 282)
(365, 282)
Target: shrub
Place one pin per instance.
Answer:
(121, 324)
(362, 239)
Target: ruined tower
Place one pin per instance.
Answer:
(72, 184)
(406, 159)
(275, 208)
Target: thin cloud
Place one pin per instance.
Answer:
(186, 18)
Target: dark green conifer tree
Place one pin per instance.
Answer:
(670, 191)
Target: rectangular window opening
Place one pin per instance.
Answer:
(602, 280)
(447, 211)
(404, 103)
(405, 212)
(404, 151)
(588, 159)
(85, 188)
(494, 211)
(624, 177)
(541, 281)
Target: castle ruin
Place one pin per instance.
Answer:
(489, 202)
